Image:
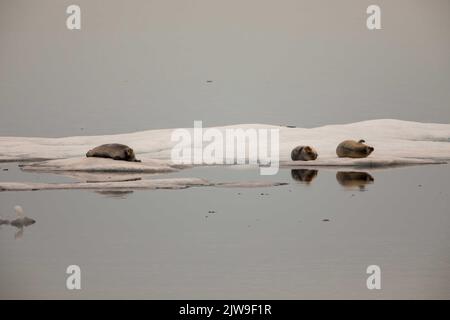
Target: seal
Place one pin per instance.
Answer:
(303, 153)
(353, 149)
(304, 175)
(114, 151)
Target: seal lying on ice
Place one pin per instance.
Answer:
(303, 153)
(114, 151)
(353, 149)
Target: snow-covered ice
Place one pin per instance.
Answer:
(399, 141)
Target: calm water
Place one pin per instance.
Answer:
(259, 243)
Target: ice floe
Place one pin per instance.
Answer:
(396, 143)
(101, 165)
(150, 184)
(170, 183)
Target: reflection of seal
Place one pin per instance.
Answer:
(353, 149)
(114, 151)
(352, 179)
(21, 221)
(303, 153)
(304, 175)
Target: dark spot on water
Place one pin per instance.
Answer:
(325, 220)
(419, 185)
(211, 211)
(5, 169)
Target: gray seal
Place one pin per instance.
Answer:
(114, 151)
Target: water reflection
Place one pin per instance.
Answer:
(115, 194)
(304, 175)
(21, 222)
(347, 179)
(354, 179)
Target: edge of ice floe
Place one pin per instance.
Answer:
(101, 165)
(396, 143)
(150, 184)
(362, 163)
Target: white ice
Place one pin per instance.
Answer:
(396, 143)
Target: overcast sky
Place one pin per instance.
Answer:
(137, 65)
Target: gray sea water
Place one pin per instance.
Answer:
(303, 240)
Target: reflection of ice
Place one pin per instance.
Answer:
(354, 179)
(249, 184)
(102, 176)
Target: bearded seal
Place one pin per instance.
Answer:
(114, 151)
(303, 153)
(353, 149)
